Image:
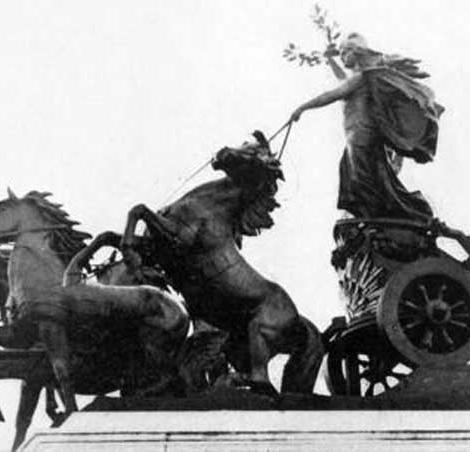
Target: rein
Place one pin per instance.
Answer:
(198, 170)
(185, 181)
(17, 233)
(286, 136)
(279, 131)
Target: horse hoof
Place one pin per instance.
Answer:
(59, 419)
(52, 414)
(263, 388)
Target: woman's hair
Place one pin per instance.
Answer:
(366, 56)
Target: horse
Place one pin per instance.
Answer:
(89, 332)
(21, 364)
(199, 363)
(197, 241)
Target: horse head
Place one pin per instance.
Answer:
(256, 170)
(11, 216)
(250, 165)
(18, 215)
(34, 213)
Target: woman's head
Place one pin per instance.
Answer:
(354, 51)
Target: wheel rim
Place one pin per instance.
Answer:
(434, 310)
(363, 364)
(364, 375)
(378, 375)
(425, 312)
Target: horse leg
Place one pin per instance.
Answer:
(29, 397)
(155, 222)
(301, 370)
(162, 337)
(274, 317)
(51, 405)
(54, 336)
(237, 351)
(158, 225)
(33, 368)
(260, 355)
(137, 213)
(73, 273)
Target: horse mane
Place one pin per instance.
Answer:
(66, 241)
(256, 170)
(256, 212)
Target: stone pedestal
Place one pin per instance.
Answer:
(247, 431)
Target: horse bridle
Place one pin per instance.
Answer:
(15, 233)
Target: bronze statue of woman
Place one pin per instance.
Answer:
(385, 110)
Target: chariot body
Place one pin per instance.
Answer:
(407, 303)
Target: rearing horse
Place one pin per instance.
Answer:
(197, 241)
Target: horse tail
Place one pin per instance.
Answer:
(301, 370)
(73, 272)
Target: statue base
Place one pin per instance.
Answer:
(278, 431)
(426, 412)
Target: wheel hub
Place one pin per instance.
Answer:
(438, 312)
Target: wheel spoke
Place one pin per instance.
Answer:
(363, 360)
(412, 306)
(447, 338)
(458, 305)
(442, 289)
(461, 315)
(370, 390)
(411, 325)
(425, 293)
(427, 338)
(398, 375)
(385, 384)
(461, 324)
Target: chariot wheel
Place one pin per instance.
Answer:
(363, 365)
(424, 311)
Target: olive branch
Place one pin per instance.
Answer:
(329, 28)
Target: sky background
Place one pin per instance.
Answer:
(115, 102)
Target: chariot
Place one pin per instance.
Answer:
(407, 303)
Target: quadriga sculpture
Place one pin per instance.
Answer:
(197, 241)
(90, 332)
